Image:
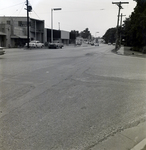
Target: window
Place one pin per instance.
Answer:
(9, 22)
(22, 23)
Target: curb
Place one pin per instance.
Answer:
(140, 146)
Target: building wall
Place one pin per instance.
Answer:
(45, 36)
(65, 36)
(15, 29)
(37, 30)
(79, 40)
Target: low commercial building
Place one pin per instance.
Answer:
(58, 35)
(13, 31)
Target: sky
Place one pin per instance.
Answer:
(96, 15)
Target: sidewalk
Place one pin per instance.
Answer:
(126, 51)
(133, 138)
(129, 139)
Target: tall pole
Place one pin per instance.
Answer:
(119, 4)
(28, 9)
(59, 25)
(121, 28)
(35, 29)
(52, 22)
(27, 24)
(95, 34)
(51, 25)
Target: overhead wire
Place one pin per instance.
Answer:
(35, 13)
(12, 6)
(38, 16)
(21, 8)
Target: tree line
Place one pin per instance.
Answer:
(84, 34)
(133, 30)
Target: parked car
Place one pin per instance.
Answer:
(35, 44)
(2, 52)
(60, 45)
(96, 44)
(92, 43)
(52, 45)
(55, 45)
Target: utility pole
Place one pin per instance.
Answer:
(28, 8)
(121, 27)
(119, 4)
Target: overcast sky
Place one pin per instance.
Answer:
(97, 15)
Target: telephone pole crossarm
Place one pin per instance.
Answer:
(120, 2)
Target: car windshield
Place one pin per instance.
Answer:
(72, 75)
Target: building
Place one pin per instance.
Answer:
(58, 35)
(79, 40)
(13, 31)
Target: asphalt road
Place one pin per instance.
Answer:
(70, 98)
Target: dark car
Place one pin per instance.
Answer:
(52, 45)
(55, 45)
(92, 43)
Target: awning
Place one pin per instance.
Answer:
(18, 36)
(1, 33)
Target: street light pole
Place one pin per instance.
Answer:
(95, 34)
(52, 22)
(51, 25)
(58, 25)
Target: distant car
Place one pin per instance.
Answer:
(35, 44)
(2, 52)
(109, 43)
(52, 45)
(55, 45)
(96, 44)
(92, 43)
(60, 45)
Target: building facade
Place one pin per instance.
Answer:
(13, 31)
(58, 35)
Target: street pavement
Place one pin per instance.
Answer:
(75, 98)
(133, 138)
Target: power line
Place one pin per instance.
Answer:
(21, 8)
(35, 13)
(12, 6)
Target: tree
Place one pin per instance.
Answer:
(135, 26)
(110, 35)
(86, 34)
(74, 34)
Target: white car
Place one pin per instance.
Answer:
(2, 52)
(35, 44)
(96, 44)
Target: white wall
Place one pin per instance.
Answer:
(65, 35)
